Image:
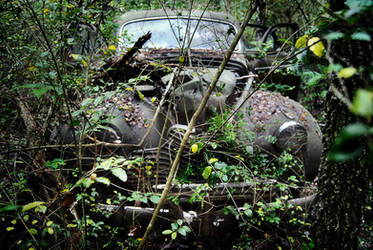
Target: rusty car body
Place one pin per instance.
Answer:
(191, 45)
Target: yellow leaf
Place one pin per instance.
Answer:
(301, 42)
(181, 59)
(50, 230)
(112, 48)
(75, 56)
(317, 47)
(34, 222)
(194, 148)
(213, 160)
(141, 96)
(31, 68)
(13, 222)
(46, 11)
(154, 99)
(84, 63)
(239, 157)
(49, 223)
(148, 167)
(347, 72)
(9, 228)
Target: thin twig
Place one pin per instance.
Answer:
(191, 126)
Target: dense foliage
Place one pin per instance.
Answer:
(53, 53)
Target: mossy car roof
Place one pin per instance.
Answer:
(134, 15)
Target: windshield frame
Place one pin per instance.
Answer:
(239, 46)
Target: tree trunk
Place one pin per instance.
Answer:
(343, 187)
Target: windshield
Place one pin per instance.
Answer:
(179, 32)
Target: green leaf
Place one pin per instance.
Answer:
(49, 223)
(38, 92)
(106, 164)
(9, 208)
(50, 230)
(55, 163)
(362, 103)
(207, 172)
(87, 182)
(334, 35)
(174, 226)
(362, 36)
(167, 232)
(187, 229)
(120, 173)
(182, 231)
(9, 229)
(103, 180)
(347, 146)
(179, 221)
(86, 102)
(32, 205)
(155, 199)
(33, 231)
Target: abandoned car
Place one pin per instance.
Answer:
(149, 123)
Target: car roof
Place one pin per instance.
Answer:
(134, 15)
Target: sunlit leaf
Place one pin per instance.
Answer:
(120, 173)
(316, 46)
(155, 199)
(33, 231)
(49, 223)
(362, 36)
(181, 59)
(76, 57)
(347, 72)
(174, 235)
(85, 64)
(195, 148)
(32, 205)
(10, 228)
(50, 230)
(333, 35)
(103, 180)
(141, 95)
(207, 172)
(112, 48)
(167, 232)
(301, 42)
(182, 231)
(362, 103)
(213, 160)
